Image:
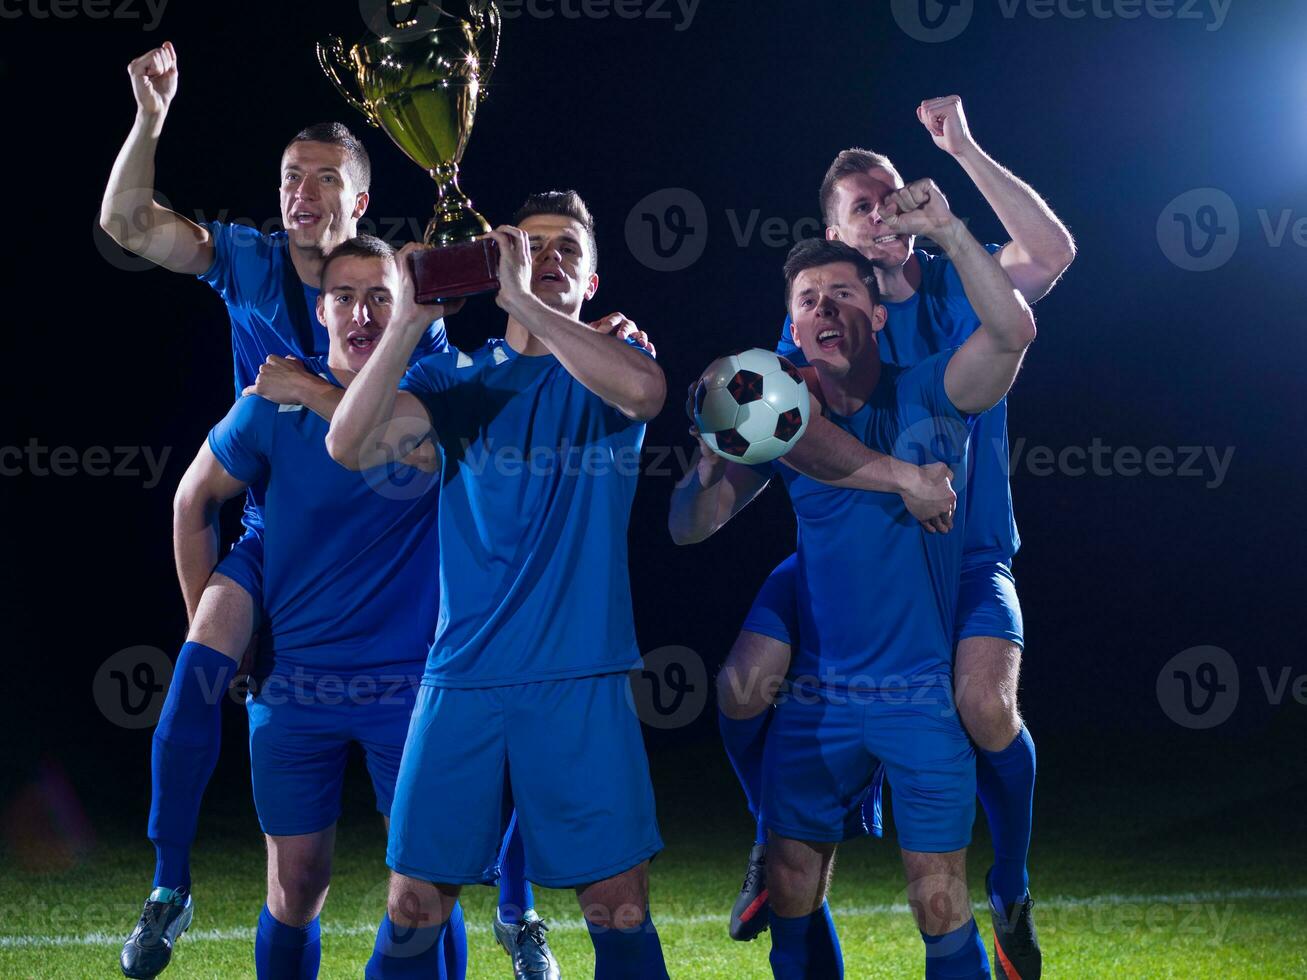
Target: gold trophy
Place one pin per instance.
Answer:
(421, 84)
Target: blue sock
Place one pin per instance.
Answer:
(283, 952)
(744, 739)
(628, 954)
(1005, 782)
(454, 946)
(419, 954)
(515, 895)
(806, 948)
(184, 753)
(957, 955)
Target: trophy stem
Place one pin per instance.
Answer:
(455, 220)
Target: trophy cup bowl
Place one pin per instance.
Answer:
(422, 87)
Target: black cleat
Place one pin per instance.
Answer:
(752, 914)
(1016, 944)
(167, 914)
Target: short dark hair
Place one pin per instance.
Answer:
(568, 204)
(360, 247)
(357, 161)
(852, 161)
(813, 252)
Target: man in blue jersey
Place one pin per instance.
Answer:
(928, 311)
(525, 700)
(270, 284)
(872, 680)
(344, 632)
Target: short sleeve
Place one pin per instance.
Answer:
(241, 272)
(430, 380)
(946, 281)
(242, 442)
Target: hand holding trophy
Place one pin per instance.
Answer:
(421, 85)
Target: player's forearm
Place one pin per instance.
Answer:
(322, 398)
(1001, 309)
(130, 215)
(359, 422)
(830, 455)
(1044, 246)
(196, 540)
(631, 382)
(696, 509)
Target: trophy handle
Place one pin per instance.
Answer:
(490, 30)
(332, 59)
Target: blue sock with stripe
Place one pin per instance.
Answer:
(283, 952)
(806, 947)
(957, 955)
(628, 954)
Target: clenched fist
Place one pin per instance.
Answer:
(946, 121)
(154, 79)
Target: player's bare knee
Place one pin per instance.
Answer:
(620, 902)
(991, 718)
(985, 690)
(297, 887)
(414, 904)
(798, 876)
(937, 890)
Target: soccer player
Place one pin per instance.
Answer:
(928, 311)
(270, 284)
(525, 697)
(349, 603)
(873, 683)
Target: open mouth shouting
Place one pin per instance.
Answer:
(363, 340)
(302, 217)
(829, 338)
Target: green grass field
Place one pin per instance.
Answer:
(1183, 866)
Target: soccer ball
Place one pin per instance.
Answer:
(751, 407)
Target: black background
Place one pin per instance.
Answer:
(1110, 119)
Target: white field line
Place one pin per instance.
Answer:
(246, 934)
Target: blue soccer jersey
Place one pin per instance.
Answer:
(939, 317)
(863, 552)
(272, 311)
(537, 482)
(335, 545)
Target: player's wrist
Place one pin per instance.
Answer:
(150, 122)
(950, 235)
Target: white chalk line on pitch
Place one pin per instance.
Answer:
(246, 934)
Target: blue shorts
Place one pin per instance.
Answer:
(244, 565)
(988, 604)
(822, 755)
(300, 734)
(569, 754)
(775, 612)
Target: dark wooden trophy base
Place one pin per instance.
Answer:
(455, 271)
